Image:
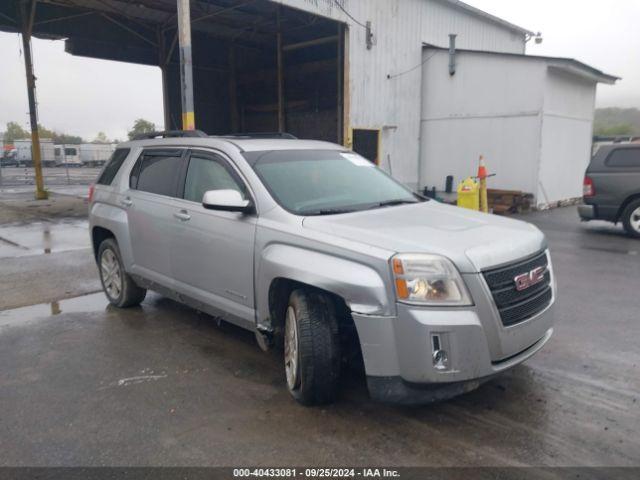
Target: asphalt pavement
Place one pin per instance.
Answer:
(82, 383)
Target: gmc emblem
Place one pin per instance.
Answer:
(530, 279)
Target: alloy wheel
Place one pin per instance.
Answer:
(111, 274)
(291, 349)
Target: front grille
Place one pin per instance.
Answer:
(517, 306)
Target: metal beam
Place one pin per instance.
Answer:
(27, 28)
(310, 43)
(186, 65)
(164, 69)
(280, 75)
(130, 30)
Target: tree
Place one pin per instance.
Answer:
(15, 132)
(613, 130)
(63, 138)
(141, 126)
(101, 138)
(45, 132)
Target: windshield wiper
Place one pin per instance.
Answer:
(330, 211)
(392, 203)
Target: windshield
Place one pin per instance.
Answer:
(312, 182)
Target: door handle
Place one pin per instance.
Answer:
(127, 202)
(182, 215)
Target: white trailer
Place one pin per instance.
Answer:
(68, 155)
(24, 154)
(96, 154)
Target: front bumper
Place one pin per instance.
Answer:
(398, 351)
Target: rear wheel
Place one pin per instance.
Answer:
(117, 284)
(311, 347)
(631, 218)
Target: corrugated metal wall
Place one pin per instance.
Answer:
(385, 82)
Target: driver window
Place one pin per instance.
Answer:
(204, 174)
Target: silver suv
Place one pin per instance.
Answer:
(318, 251)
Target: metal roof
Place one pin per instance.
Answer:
(569, 65)
(487, 16)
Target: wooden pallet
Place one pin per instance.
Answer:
(506, 202)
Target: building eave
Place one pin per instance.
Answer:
(564, 64)
(457, 4)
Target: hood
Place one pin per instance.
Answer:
(474, 241)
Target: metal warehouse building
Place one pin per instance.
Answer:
(375, 75)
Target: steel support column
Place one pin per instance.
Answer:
(27, 14)
(186, 66)
(280, 75)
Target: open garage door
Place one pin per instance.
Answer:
(258, 66)
(266, 68)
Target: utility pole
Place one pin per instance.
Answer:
(27, 13)
(186, 65)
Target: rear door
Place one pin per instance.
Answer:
(212, 250)
(150, 204)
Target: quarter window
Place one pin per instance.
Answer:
(117, 159)
(208, 173)
(624, 157)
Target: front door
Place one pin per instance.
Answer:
(212, 250)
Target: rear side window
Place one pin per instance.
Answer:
(157, 173)
(624, 157)
(115, 162)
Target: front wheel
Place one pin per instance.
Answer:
(631, 218)
(118, 286)
(311, 347)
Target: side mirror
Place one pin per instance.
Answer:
(225, 200)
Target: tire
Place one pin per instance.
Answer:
(311, 347)
(119, 287)
(631, 219)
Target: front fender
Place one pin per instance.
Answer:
(360, 286)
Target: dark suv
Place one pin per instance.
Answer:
(612, 187)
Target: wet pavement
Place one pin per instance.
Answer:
(17, 240)
(82, 383)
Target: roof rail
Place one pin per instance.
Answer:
(170, 134)
(260, 135)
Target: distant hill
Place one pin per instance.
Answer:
(617, 121)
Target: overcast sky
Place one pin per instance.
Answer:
(84, 96)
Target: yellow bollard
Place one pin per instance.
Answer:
(468, 194)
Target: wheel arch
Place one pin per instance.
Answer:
(98, 235)
(631, 198)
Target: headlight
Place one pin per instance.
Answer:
(424, 279)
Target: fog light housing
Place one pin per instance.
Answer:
(439, 354)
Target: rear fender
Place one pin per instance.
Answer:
(115, 220)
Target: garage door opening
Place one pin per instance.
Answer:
(263, 67)
(366, 142)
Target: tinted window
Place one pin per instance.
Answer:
(624, 157)
(206, 173)
(70, 151)
(158, 174)
(115, 162)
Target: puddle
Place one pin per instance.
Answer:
(43, 238)
(95, 302)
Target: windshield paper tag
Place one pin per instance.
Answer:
(357, 160)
